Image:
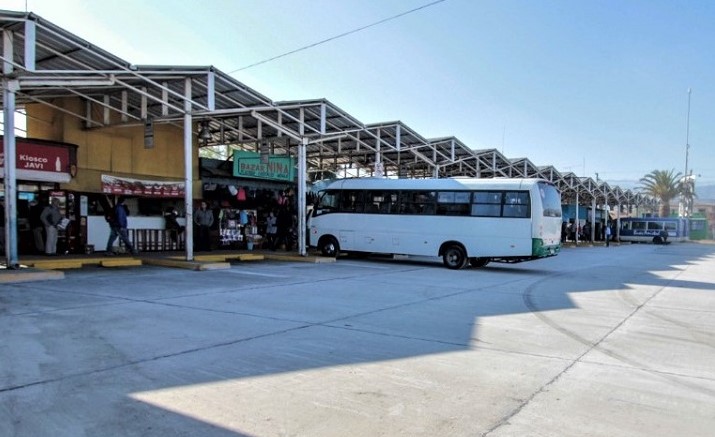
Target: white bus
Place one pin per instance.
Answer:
(465, 221)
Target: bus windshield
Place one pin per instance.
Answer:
(550, 199)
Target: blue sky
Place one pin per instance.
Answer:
(587, 86)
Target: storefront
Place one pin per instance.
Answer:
(42, 168)
(243, 192)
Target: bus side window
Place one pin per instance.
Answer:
(350, 201)
(655, 226)
(487, 204)
(516, 204)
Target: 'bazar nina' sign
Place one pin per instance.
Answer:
(250, 165)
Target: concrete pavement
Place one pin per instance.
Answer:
(594, 342)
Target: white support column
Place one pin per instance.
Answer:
(398, 146)
(618, 222)
(576, 222)
(593, 220)
(165, 98)
(606, 218)
(378, 157)
(7, 52)
(323, 118)
(240, 128)
(88, 113)
(435, 170)
(210, 91)
(9, 87)
(280, 122)
(125, 106)
(302, 206)
(452, 149)
(105, 114)
(144, 110)
(188, 176)
(30, 27)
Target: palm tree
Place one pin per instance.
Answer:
(664, 186)
(687, 193)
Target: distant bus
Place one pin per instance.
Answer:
(658, 230)
(463, 220)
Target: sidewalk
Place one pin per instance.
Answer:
(41, 268)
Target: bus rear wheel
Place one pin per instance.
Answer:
(478, 262)
(329, 247)
(454, 257)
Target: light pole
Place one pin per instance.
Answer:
(687, 134)
(686, 203)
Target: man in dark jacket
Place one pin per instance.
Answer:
(284, 223)
(118, 228)
(36, 225)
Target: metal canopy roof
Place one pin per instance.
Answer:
(49, 62)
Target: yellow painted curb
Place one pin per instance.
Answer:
(183, 264)
(120, 262)
(230, 257)
(24, 275)
(57, 264)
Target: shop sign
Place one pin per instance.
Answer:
(250, 165)
(139, 187)
(40, 162)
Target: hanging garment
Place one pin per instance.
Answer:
(241, 196)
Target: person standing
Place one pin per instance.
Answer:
(50, 217)
(118, 228)
(172, 224)
(204, 218)
(608, 235)
(284, 221)
(271, 230)
(37, 226)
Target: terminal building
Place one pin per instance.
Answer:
(99, 127)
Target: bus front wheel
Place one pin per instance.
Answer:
(478, 262)
(329, 247)
(454, 257)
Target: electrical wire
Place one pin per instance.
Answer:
(332, 38)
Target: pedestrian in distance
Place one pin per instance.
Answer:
(271, 230)
(284, 222)
(172, 224)
(51, 217)
(204, 219)
(37, 226)
(117, 220)
(608, 235)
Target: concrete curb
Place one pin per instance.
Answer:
(28, 275)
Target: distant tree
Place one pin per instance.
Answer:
(663, 185)
(687, 193)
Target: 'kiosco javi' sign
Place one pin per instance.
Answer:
(250, 165)
(40, 160)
